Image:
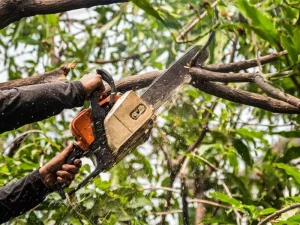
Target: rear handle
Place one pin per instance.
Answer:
(76, 153)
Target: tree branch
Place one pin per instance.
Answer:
(247, 98)
(189, 26)
(58, 74)
(206, 75)
(199, 189)
(165, 213)
(185, 205)
(210, 203)
(275, 93)
(279, 212)
(242, 65)
(14, 10)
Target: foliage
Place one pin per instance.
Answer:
(256, 152)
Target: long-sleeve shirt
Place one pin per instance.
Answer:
(20, 106)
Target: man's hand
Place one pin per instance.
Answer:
(91, 82)
(56, 171)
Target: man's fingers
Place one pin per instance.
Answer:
(65, 175)
(63, 181)
(90, 82)
(77, 163)
(73, 169)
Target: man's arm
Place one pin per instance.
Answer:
(25, 194)
(19, 106)
(21, 196)
(23, 105)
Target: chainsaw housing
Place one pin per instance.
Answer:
(128, 124)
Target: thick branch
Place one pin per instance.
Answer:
(276, 93)
(58, 74)
(14, 10)
(243, 97)
(242, 65)
(206, 75)
(135, 82)
(247, 98)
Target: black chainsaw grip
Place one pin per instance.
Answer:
(106, 76)
(76, 153)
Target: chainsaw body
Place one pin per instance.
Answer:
(126, 125)
(113, 126)
(109, 130)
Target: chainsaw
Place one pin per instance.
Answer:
(115, 125)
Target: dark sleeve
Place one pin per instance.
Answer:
(21, 196)
(20, 106)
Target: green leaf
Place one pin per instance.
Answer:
(224, 198)
(109, 24)
(52, 19)
(288, 44)
(262, 23)
(243, 188)
(243, 151)
(232, 157)
(145, 5)
(292, 171)
(267, 211)
(290, 154)
(250, 133)
(288, 134)
(292, 220)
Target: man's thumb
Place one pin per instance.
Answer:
(67, 151)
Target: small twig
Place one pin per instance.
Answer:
(256, 53)
(238, 216)
(278, 213)
(210, 203)
(273, 76)
(15, 144)
(169, 195)
(165, 213)
(162, 188)
(234, 48)
(206, 162)
(133, 56)
(189, 26)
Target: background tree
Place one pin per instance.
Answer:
(209, 160)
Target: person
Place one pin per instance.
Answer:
(28, 104)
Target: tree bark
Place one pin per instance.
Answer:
(14, 10)
(58, 74)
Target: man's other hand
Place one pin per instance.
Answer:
(91, 82)
(56, 171)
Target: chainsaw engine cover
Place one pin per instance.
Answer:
(128, 124)
(82, 130)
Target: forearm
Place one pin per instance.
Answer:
(21, 196)
(29, 104)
